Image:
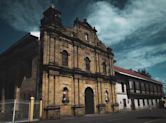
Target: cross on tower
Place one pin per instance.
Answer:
(52, 3)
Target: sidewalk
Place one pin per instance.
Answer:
(102, 117)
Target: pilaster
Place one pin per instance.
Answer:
(51, 90)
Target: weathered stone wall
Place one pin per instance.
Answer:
(53, 86)
(53, 46)
(55, 77)
(19, 63)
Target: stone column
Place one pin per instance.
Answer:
(55, 90)
(99, 62)
(44, 92)
(73, 58)
(51, 90)
(96, 66)
(45, 89)
(98, 97)
(52, 52)
(3, 100)
(78, 108)
(77, 57)
(45, 48)
(57, 51)
(48, 49)
(79, 91)
(101, 91)
(76, 91)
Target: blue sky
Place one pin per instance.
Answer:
(135, 29)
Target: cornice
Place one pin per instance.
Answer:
(76, 71)
(75, 40)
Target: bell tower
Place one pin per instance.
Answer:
(51, 18)
(51, 24)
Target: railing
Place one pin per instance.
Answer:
(6, 114)
(20, 110)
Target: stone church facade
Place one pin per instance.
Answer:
(77, 68)
(68, 68)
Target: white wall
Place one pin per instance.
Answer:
(141, 103)
(122, 95)
(146, 104)
(119, 88)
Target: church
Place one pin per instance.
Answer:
(67, 67)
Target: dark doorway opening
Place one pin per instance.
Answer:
(124, 103)
(89, 101)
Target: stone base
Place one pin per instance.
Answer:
(101, 108)
(52, 112)
(115, 107)
(78, 110)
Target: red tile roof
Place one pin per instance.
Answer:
(133, 74)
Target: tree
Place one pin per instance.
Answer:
(144, 72)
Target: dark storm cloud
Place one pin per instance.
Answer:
(132, 30)
(136, 23)
(136, 32)
(115, 25)
(25, 15)
(148, 36)
(135, 29)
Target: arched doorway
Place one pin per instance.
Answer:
(89, 101)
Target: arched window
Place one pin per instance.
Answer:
(65, 56)
(106, 96)
(87, 64)
(104, 68)
(65, 97)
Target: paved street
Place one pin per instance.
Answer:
(143, 116)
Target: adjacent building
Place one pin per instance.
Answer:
(122, 98)
(136, 91)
